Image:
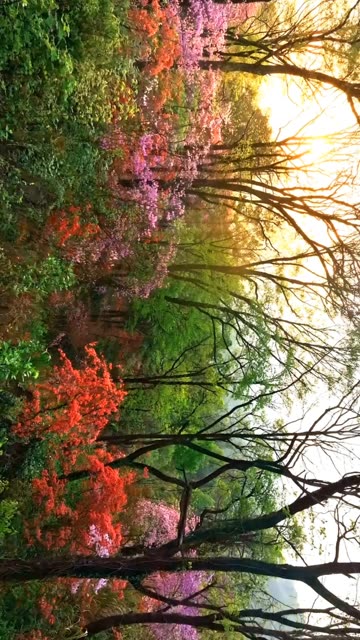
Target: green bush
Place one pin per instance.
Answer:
(22, 361)
(53, 274)
(8, 509)
(61, 75)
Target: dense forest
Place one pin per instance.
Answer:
(179, 319)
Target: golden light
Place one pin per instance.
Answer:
(328, 139)
(319, 150)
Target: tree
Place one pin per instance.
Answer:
(231, 623)
(219, 531)
(68, 413)
(83, 567)
(278, 35)
(254, 182)
(74, 403)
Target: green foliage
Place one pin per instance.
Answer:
(59, 49)
(37, 457)
(10, 407)
(202, 500)
(8, 509)
(61, 77)
(70, 164)
(53, 274)
(180, 460)
(183, 344)
(21, 361)
(30, 618)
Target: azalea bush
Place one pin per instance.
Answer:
(85, 518)
(179, 586)
(69, 410)
(22, 361)
(75, 404)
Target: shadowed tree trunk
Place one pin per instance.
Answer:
(16, 570)
(213, 621)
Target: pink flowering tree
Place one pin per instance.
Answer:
(159, 523)
(182, 586)
(153, 162)
(160, 159)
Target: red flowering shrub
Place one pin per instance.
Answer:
(68, 603)
(47, 608)
(168, 50)
(74, 404)
(71, 408)
(66, 225)
(92, 525)
(160, 24)
(146, 23)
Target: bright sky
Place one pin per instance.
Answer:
(322, 530)
(290, 113)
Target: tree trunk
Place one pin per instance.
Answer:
(16, 570)
(260, 69)
(158, 617)
(226, 532)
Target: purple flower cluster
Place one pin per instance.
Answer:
(157, 165)
(180, 586)
(136, 288)
(147, 194)
(110, 246)
(204, 28)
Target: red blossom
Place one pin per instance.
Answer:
(75, 404)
